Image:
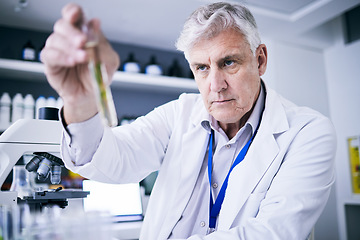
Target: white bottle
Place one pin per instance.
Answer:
(17, 108)
(51, 102)
(5, 109)
(29, 107)
(39, 103)
(59, 103)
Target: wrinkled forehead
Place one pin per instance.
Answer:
(229, 38)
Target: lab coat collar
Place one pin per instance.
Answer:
(200, 115)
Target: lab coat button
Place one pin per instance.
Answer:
(228, 146)
(215, 185)
(202, 224)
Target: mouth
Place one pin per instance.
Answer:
(222, 101)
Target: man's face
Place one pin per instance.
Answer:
(227, 74)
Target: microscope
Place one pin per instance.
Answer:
(38, 140)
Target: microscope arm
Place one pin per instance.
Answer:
(26, 136)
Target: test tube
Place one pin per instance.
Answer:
(104, 99)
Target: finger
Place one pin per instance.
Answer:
(67, 46)
(69, 31)
(73, 14)
(95, 23)
(57, 52)
(56, 58)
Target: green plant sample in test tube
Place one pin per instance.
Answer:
(105, 102)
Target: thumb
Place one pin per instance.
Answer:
(74, 14)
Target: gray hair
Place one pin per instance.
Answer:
(208, 21)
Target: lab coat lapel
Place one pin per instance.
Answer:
(261, 154)
(191, 162)
(246, 176)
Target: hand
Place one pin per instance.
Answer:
(66, 63)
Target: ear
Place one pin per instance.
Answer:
(261, 55)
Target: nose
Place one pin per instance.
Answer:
(217, 81)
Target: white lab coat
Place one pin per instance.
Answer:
(277, 192)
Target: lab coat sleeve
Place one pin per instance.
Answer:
(80, 141)
(298, 191)
(126, 153)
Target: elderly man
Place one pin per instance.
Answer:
(236, 161)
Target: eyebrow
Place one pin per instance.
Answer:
(193, 65)
(239, 57)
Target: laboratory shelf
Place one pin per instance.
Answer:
(34, 71)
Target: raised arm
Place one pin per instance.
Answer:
(66, 63)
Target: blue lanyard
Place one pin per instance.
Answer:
(215, 207)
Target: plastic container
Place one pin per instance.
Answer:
(5, 110)
(17, 108)
(39, 103)
(59, 103)
(51, 102)
(29, 107)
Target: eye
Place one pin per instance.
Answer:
(201, 68)
(228, 62)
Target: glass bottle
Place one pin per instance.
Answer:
(153, 68)
(175, 69)
(131, 65)
(28, 52)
